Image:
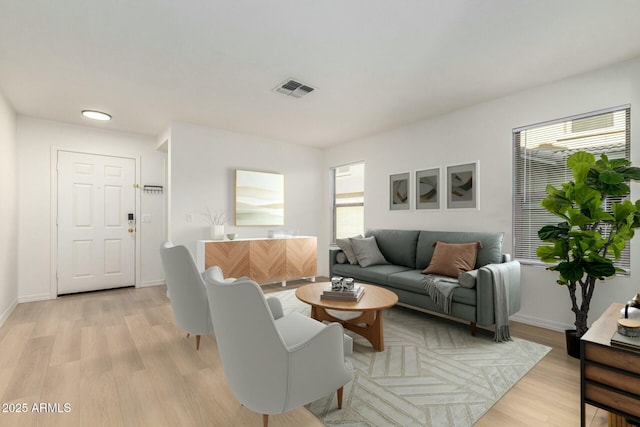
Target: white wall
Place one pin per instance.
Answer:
(8, 211)
(484, 132)
(152, 208)
(203, 163)
(38, 141)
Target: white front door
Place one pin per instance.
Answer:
(96, 241)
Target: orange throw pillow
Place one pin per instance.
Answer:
(451, 259)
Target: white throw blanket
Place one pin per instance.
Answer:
(440, 290)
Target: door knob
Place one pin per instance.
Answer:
(130, 230)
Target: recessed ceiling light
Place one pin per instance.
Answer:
(96, 115)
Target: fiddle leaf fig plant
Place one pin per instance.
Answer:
(585, 244)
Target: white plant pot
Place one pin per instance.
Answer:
(217, 232)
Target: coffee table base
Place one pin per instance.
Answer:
(371, 318)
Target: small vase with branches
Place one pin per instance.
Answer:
(216, 221)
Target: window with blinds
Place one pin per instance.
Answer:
(540, 158)
(348, 201)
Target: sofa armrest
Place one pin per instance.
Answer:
(275, 306)
(317, 366)
(333, 253)
(484, 292)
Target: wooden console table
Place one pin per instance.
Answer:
(262, 260)
(609, 375)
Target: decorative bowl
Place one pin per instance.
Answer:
(232, 236)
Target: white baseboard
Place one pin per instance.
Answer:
(5, 315)
(34, 297)
(541, 323)
(152, 283)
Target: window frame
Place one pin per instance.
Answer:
(334, 205)
(518, 226)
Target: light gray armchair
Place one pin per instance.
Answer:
(274, 362)
(186, 290)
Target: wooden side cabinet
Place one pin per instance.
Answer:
(232, 257)
(268, 260)
(302, 258)
(262, 260)
(609, 375)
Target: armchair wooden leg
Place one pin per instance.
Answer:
(197, 342)
(473, 328)
(265, 420)
(340, 397)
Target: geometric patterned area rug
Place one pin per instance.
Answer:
(431, 373)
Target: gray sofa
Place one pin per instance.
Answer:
(409, 252)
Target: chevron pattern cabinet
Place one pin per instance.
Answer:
(232, 257)
(268, 260)
(262, 260)
(302, 258)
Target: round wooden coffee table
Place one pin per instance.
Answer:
(374, 300)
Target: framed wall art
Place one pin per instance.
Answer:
(428, 189)
(399, 191)
(259, 198)
(462, 186)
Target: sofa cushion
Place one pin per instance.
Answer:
(397, 246)
(414, 281)
(490, 253)
(345, 245)
(451, 259)
(367, 252)
(465, 296)
(374, 274)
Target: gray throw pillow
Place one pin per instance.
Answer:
(367, 251)
(341, 258)
(345, 245)
(468, 279)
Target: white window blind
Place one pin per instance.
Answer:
(540, 158)
(348, 200)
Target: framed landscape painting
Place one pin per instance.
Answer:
(428, 189)
(462, 186)
(259, 198)
(399, 191)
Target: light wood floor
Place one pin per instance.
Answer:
(117, 359)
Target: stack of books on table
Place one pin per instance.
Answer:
(343, 295)
(627, 335)
(619, 340)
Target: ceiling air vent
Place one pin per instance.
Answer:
(294, 88)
